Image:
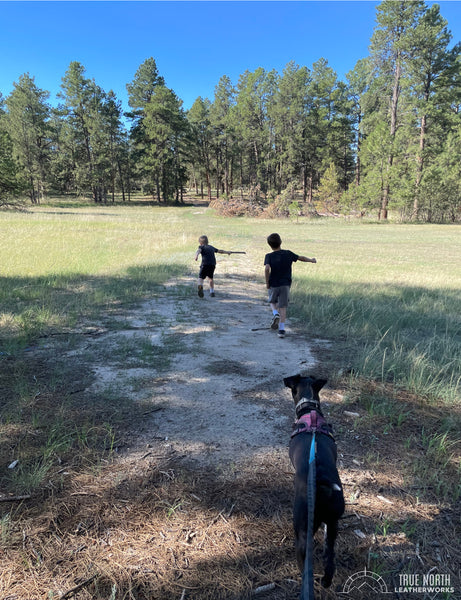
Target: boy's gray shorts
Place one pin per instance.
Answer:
(279, 295)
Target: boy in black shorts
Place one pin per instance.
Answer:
(277, 269)
(208, 264)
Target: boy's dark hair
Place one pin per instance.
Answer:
(203, 238)
(274, 240)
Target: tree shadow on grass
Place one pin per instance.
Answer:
(36, 306)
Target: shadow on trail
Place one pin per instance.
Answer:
(55, 302)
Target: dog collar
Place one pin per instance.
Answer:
(304, 402)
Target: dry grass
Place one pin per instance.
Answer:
(150, 529)
(153, 526)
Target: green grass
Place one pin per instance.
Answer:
(392, 294)
(63, 266)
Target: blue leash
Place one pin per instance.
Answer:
(307, 589)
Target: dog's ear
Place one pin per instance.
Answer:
(318, 384)
(292, 381)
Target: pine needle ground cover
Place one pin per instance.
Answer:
(90, 510)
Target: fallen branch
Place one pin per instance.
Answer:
(263, 588)
(15, 498)
(354, 415)
(156, 409)
(77, 588)
(58, 333)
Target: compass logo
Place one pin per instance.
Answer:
(364, 583)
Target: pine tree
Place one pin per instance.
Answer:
(77, 94)
(27, 124)
(165, 127)
(321, 117)
(223, 134)
(390, 50)
(357, 80)
(9, 182)
(140, 92)
(142, 88)
(289, 114)
(90, 133)
(255, 93)
(329, 192)
(432, 72)
(202, 136)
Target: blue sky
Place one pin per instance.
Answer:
(193, 43)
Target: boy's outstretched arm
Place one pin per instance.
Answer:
(223, 252)
(197, 254)
(305, 259)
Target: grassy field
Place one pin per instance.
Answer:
(388, 297)
(390, 293)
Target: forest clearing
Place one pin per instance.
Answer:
(144, 430)
(385, 137)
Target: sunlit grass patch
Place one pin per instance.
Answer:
(411, 336)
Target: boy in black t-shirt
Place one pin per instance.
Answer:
(208, 264)
(277, 269)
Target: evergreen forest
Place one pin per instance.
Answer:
(387, 139)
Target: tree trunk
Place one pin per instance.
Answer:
(231, 177)
(310, 191)
(208, 183)
(122, 186)
(195, 184)
(157, 185)
(218, 174)
(256, 162)
(383, 214)
(304, 183)
(32, 193)
(357, 163)
(419, 165)
(226, 174)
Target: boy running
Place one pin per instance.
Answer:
(208, 264)
(277, 269)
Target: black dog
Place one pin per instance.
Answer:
(329, 499)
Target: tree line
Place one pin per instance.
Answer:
(386, 138)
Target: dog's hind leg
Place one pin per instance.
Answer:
(300, 545)
(331, 532)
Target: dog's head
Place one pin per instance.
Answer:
(305, 388)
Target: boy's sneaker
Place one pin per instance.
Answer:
(200, 291)
(275, 321)
(281, 333)
(212, 294)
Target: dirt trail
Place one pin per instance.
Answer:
(221, 398)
